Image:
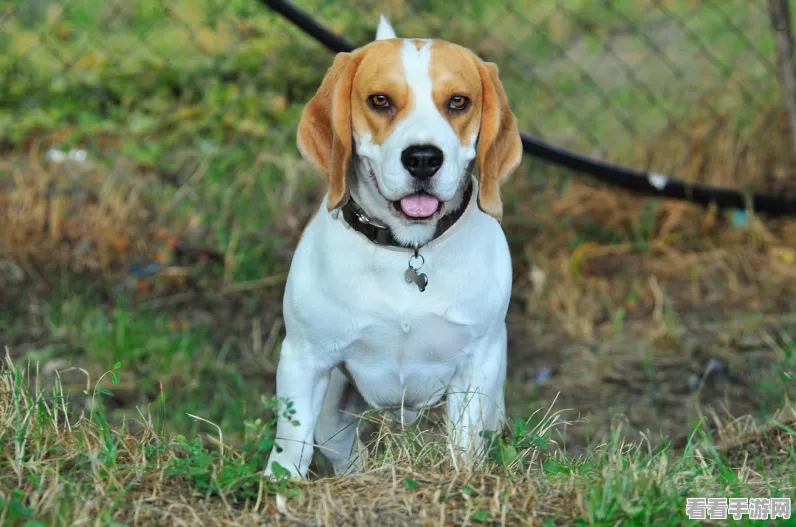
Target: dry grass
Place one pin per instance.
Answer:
(691, 258)
(83, 215)
(68, 469)
(619, 251)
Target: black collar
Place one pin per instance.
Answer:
(381, 235)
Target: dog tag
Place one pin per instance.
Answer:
(411, 274)
(420, 279)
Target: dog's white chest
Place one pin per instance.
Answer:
(405, 354)
(351, 306)
(401, 346)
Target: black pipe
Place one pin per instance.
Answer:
(652, 184)
(303, 21)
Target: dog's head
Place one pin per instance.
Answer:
(397, 125)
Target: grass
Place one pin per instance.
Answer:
(60, 468)
(165, 251)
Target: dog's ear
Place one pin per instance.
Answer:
(499, 144)
(324, 131)
(385, 30)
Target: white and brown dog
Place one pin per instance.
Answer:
(399, 287)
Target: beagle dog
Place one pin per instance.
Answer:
(398, 289)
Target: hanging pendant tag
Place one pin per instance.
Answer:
(411, 274)
(420, 279)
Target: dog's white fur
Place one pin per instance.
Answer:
(347, 307)
(385, 30)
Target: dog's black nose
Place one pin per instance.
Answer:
(422, 161)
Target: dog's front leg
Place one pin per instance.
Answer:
(475, 395)
(301, 381)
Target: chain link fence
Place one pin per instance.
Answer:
(667, 85)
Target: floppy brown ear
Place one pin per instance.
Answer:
(324, 131)
(499, 144)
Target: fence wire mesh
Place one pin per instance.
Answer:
(666, 85)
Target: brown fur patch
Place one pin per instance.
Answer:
(380, 72)
(324, 132)
(453, 71)
(499, 145)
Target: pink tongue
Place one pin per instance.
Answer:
(419, 205)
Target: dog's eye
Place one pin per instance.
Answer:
(379, 101)
(458, 102)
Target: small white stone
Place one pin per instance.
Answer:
(281, 503)
(54, 155)
(79, 155)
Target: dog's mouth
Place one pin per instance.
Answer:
(418, 206)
